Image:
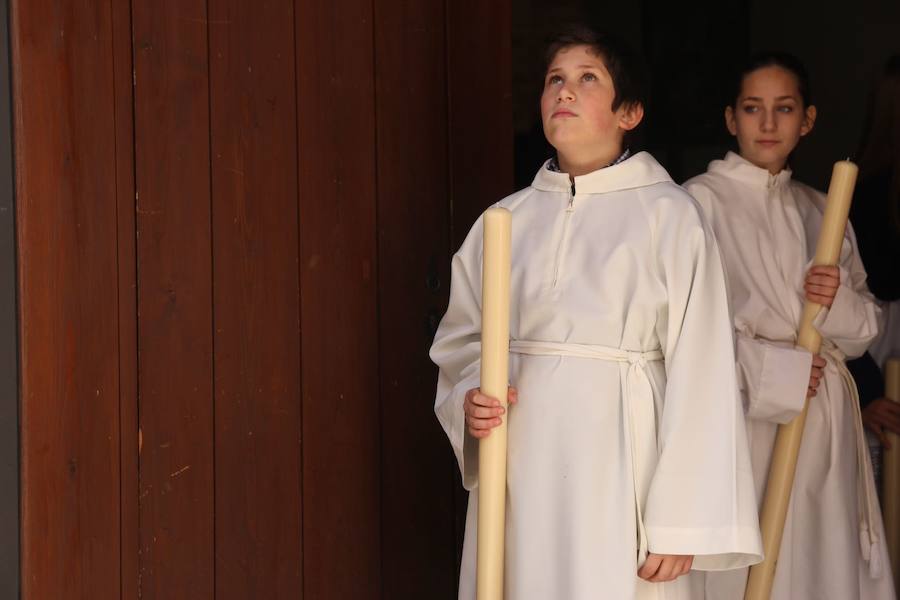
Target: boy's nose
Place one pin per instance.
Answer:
(564, 94)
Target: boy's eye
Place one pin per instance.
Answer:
(554, 79)
(589, 77)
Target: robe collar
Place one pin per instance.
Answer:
(554, 166)
(737, 167)
(637, 171)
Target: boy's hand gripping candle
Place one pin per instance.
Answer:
(494, 383)
(787, 443)
(891, 484)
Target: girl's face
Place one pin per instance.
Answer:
(769, 117)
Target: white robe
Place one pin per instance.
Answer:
(626, 263)
(767, 227)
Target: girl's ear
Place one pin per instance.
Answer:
(729, 120)
(630, 116)
(809, 119)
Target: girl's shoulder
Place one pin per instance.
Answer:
(669, 196)
(668, 203)
(709, 189)
(710, 183)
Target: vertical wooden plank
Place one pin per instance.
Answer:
(127, 293)
(9, 340)
(481, 127)
(418, 555)
(66, 213)
(256, 299)
(341, 463)
(175, 337)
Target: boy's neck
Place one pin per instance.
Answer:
(577, 165)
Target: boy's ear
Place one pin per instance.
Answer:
(630, 116)
(729, 120)
(809, 119)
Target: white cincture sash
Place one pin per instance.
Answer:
(639, 411)
(867, 496)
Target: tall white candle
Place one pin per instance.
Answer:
(494, 382)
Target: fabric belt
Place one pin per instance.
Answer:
(867, 496)
(639, 411)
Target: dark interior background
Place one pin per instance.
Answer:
(691, 49)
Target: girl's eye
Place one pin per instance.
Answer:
(750, 109)
(786, 109)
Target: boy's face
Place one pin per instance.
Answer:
(576, 105)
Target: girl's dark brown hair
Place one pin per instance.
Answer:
(785, 60)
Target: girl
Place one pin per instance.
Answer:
(767, 225)
(627, 460)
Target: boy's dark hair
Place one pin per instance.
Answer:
(785, 60)
(625, 66)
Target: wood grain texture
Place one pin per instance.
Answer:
(418, 557)
(338, 286)
(127, 293)
(66, 218)
(235, 223)
(480, 117)
(174, 265)
(256, 300)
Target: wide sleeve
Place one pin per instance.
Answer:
(457, 353)
(701, 498)
(773, 379)
(852, 321)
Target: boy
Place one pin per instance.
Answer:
(627, 461)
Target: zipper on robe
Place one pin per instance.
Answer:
(773, 197)
(562, 240)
